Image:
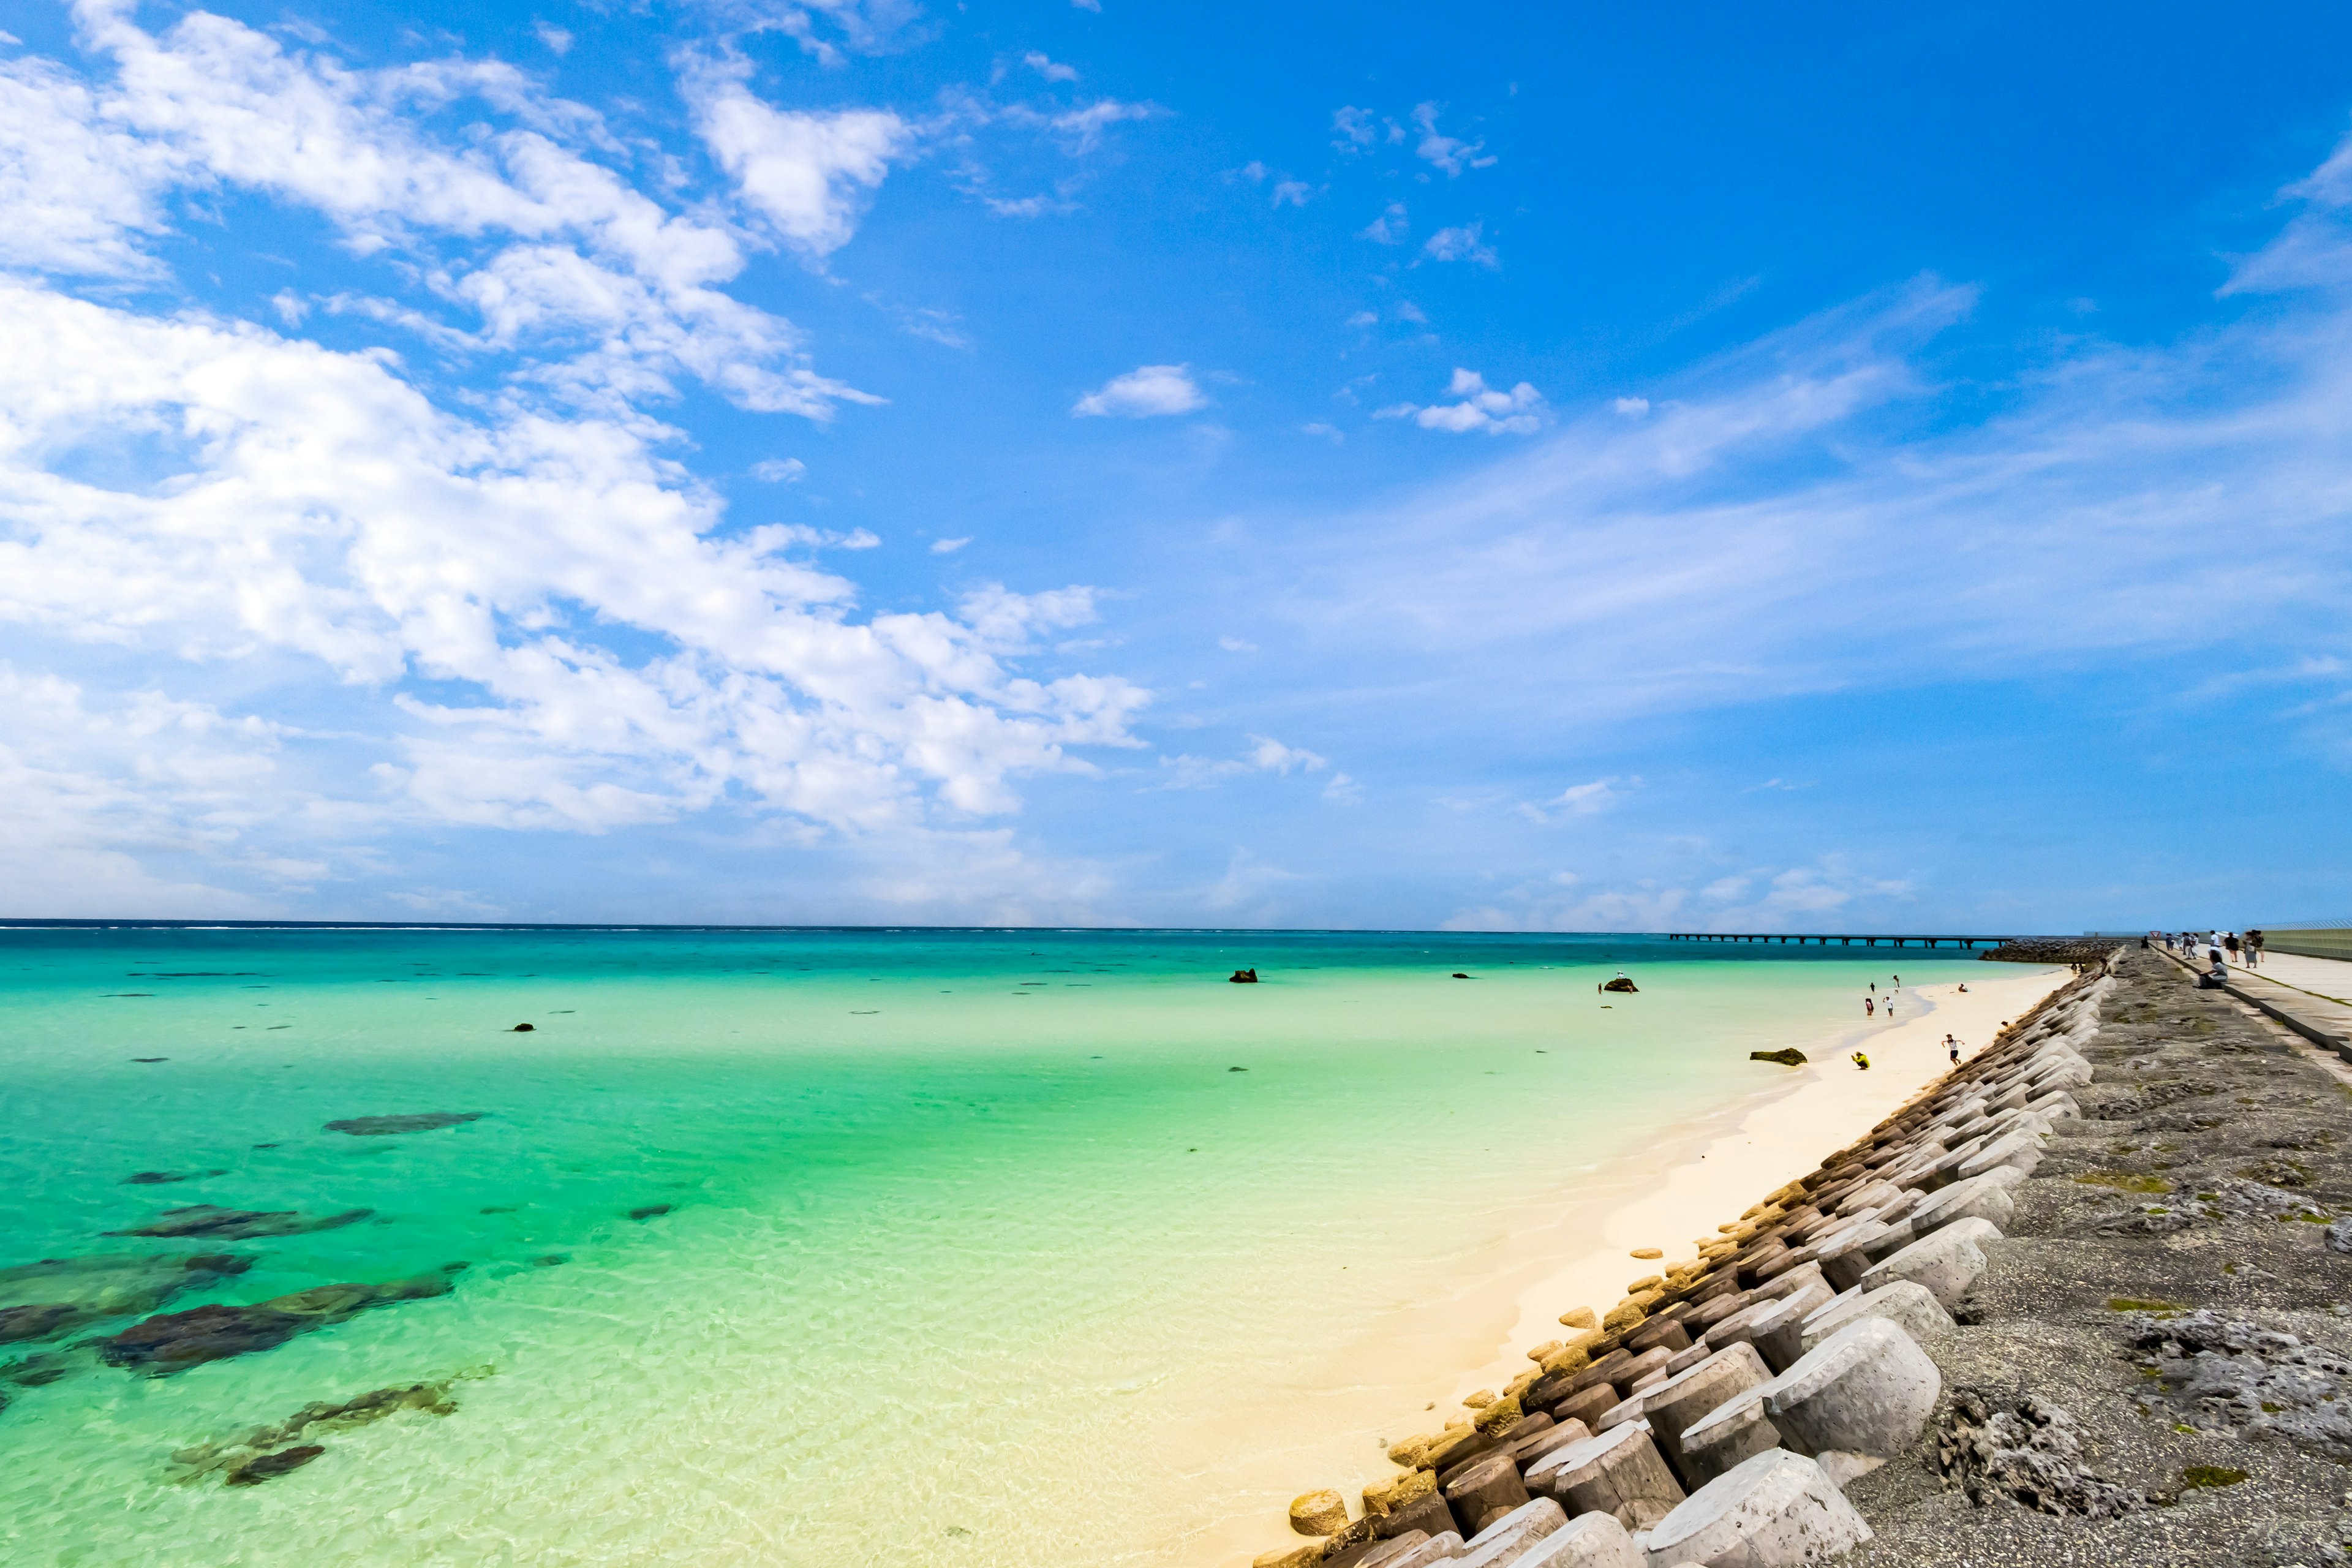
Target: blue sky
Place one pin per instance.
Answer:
(1539, 468)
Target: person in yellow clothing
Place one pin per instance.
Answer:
(1861, 1061)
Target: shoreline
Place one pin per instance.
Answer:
(1701, 1173)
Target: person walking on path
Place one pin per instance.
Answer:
(2254, 950)
(2229, 942)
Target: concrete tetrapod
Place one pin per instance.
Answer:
(1985, 1197)
(1678, 1404)
(1590, 1541)
(1861, 1396)
(1773, 1511)
(1946, 1262)
(2021, 1150)
(1907, 1306)
(1619, 1472)
(1511, 1538)
(1725, 1437)
(1774, 1334)
(1418, 1551)
(1491, 1485)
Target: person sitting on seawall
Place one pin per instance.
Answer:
(1861, 1061)
(2216, 977)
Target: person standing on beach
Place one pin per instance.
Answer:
(1870, 1007)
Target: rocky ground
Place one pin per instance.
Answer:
(2156, 1367)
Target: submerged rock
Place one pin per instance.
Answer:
(420, 1121)
(1244, 977)
(265, 1452)
(174, 1341)
(523, 1029)
(238, 1224)
(58, 1294)
(651, 1211)
(261, 1466)
(1788, 1057)
(1622, 986)
(160, 1178)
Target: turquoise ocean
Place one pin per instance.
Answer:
(835, 1247)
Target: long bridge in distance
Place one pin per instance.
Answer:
(1845, 939)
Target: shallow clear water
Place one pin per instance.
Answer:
(975, 1247)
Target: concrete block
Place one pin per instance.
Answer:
(1774, 1511)
(1775, 1334)
(1682, 1402)
(1866, 1389)
(1908, 1307)
(2057, 1105)
(2021, 1149)
(1946, 1262)
(1385, 1553)
(1725, 1437)
(1842, 1261)
(1795, 1279)
(1589, 1541)
(1490, 1483)
(1682, 1362)
(1626, 1409)
(1587, 1406)
(1508, 1538)
(1620, 1473)
(1976, 1197)
(1428, 1512)
(1551, 1439)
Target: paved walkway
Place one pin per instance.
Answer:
(2330, 977)
(2313, 997)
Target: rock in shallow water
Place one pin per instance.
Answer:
(205, 1220)
(261, 1466)
(420, 1121)
(174, 1341)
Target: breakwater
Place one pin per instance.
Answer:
(1716, 1412)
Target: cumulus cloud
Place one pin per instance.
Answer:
(949, 546)
(780, 470)
(808, 174)
(1294, 192)
(555, 631)
(520, 226)
(1388, 228)
(1036, 61)
(1460, 244)
(1519, 412)
(1143, 393)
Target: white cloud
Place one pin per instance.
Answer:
(538, 624)
(1331, 433)
(1253, 170)
(1354, 127)
(1580, 800)
(1388, 228)
(1632, 407)
(1294, 192)
(949, 546)
(1364, 319)
(1344, 790)
(1082, 129)
(1094, 6)
(780, 470)
(1408, 311)
(1235, 644)
(1266, 755)
(557, 40)
(547, 245)
(1445, 153)
(1144, 392)
(809, 174)
(1460, 244)
(1035, 60)
(1519, 412)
